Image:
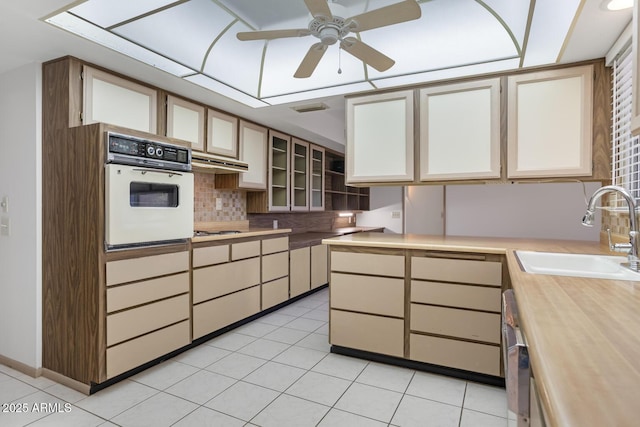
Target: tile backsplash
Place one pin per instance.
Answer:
(234, 202)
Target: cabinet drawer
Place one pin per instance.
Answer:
(134, 353)
(367, 332)
(476, 297)
(469, 356)
(457, 270)
(371, 264)
(245, 250)
(275, 266)
(211, 255)
(218, 313)
(275, 292)
(130, 270)
(125, 296)
(300, 271)
(369, 294)
(271, 246)
(217, 280)
(137, 321)
(473, 325)
(319, 265)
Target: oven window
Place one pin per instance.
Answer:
(151, 195)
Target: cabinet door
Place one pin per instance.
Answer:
(316, 178)
(117, 101)
(185, 120)
(299, 175)
(279, 167)
(253, 150)
(380, 138)
(460, 131)
(222, 134)
(319, 265)
(549, 123)
(300, 271)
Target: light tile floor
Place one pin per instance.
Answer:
(275, 371)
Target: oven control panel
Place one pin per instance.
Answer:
(131, 150)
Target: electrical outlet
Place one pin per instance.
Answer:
(396, 214)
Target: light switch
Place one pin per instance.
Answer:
(5, 226)
(218, 204)
(395, 214)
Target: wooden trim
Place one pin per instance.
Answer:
(21, 367)
(66, 381)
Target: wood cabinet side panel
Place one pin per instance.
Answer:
(73, 292)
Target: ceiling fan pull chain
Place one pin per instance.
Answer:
(339, 59)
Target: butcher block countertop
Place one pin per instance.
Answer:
(583, 334)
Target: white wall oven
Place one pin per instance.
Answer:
(148, 192)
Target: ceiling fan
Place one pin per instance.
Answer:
(330, 29)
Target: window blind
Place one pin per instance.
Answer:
(625, 148)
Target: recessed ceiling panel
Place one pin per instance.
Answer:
(234, 62)
(513, 13)
(106, 13)
(184, 32)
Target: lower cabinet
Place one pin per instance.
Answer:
(275, 271)
(433, 307)
(217, 313)
(148, 309)
(319, 265)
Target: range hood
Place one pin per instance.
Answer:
(202, 162)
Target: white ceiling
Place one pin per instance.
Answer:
(25, 38)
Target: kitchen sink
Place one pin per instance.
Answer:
(576, 265)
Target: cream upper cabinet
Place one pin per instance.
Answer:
(185, 120)
(117, 101)
(460, 131)
(253, 150)
(380, 140)
(222, 134)
(550, 123)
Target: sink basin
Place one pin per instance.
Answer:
(576, 265)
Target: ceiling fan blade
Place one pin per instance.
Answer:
(272, 34)
(318, 8)
(407, 10)
(310, 61)
(367, 54)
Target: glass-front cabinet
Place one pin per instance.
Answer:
(316, 178)
(279, 167)
(299, 175)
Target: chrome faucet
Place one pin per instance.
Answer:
(634, 235)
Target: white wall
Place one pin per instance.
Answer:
(20, 180)
(543, 211)
(383, 202)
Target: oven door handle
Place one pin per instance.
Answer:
(170, 173)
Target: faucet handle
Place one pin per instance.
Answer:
(617, 247)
